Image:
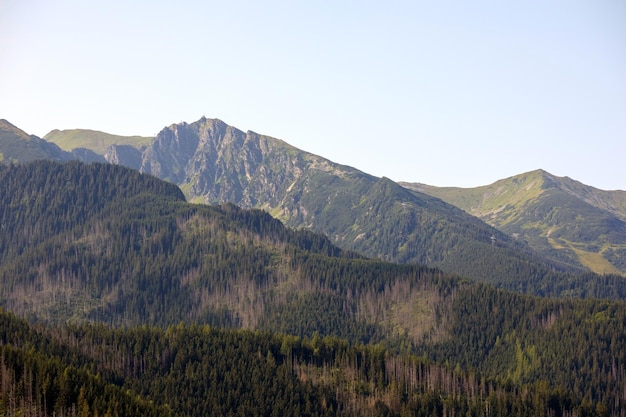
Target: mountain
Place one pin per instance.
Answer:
(106, 243)
(98, 142)
(213, 162)
(17, 146)
(559, 217)
(322, 331)
(95, 146)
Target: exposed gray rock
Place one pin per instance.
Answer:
(125, 155)
(87, 155)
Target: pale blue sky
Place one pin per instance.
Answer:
(439, 92)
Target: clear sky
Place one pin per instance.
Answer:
(439, 92)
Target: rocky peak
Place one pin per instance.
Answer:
(125, 155)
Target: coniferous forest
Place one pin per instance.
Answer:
(120, 298)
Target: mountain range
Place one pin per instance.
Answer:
(127, 288)
(141, 303)
(213, 162)
(557, 216)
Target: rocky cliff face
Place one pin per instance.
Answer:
(125, 155)
(214, 162)
(87, 155)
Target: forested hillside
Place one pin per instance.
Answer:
(196, 370)
(105, 244)
(213, 162)
(101, 242)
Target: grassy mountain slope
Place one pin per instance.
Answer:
(559, 217)
(94, 140)
(17, 146)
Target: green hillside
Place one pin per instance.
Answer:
(322, 331)
(17, 146)
(94, 140)
(558, 217)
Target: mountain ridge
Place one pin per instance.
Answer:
(558, 216)
(94, 140)
(18, 146)
(214, 162)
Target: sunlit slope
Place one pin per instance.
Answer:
(93, 140)
(560, 217)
